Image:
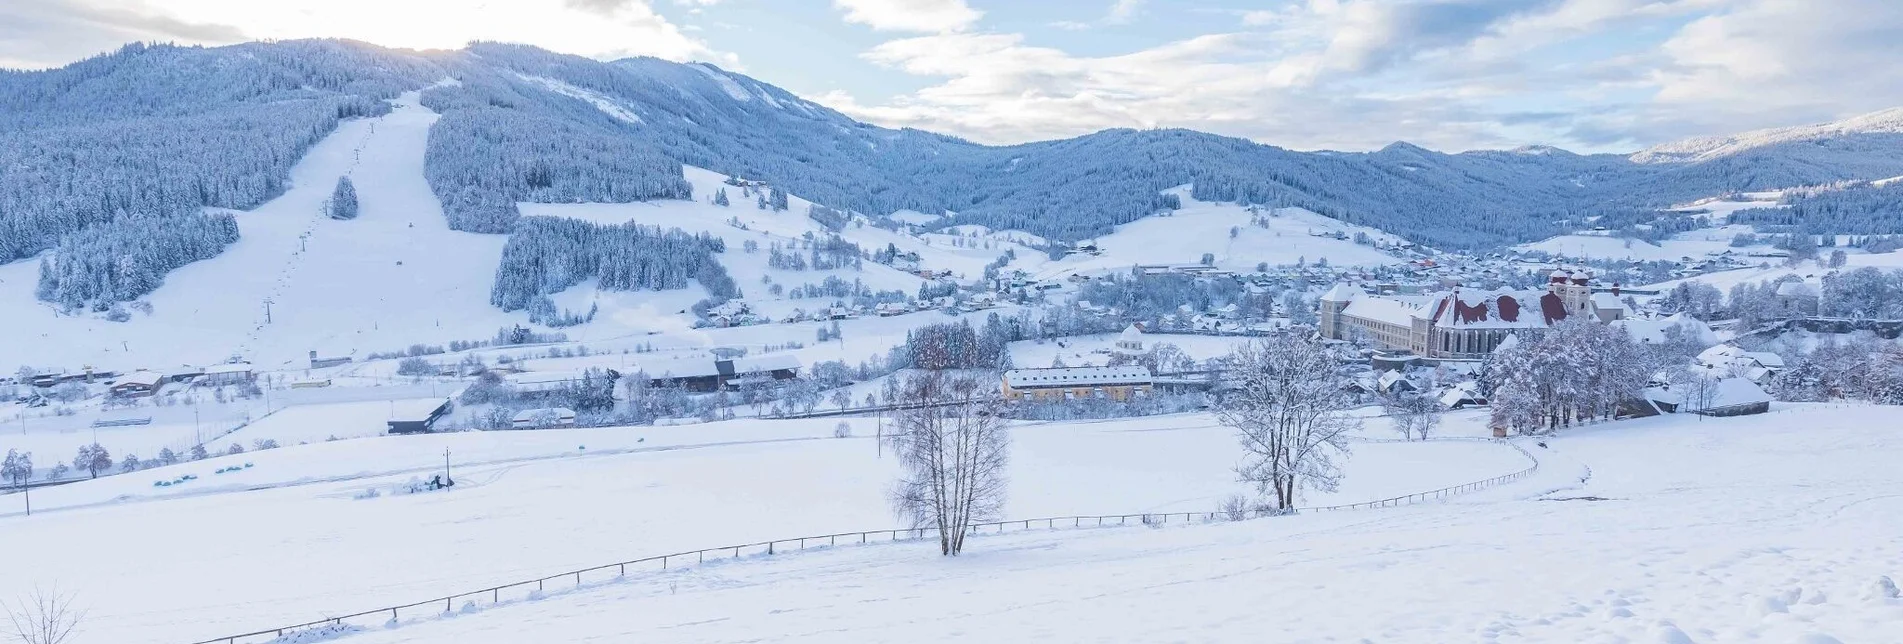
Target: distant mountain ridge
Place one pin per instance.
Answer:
(162, 131)
(1882, 122)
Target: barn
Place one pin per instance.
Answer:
(416, 416)
(139, 384)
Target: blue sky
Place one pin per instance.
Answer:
(1587, 75)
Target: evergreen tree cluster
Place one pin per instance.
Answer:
(129, 257)
(956, 345)
(500, 142)
(1860, 209)
(548, 254)
(343, 200)
(163, 131)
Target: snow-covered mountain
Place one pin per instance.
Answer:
(129, 166)
(1883, 122)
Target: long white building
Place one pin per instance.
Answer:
(1462, 324)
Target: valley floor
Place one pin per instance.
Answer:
(1774, 528)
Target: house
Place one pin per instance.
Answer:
(1462, 395)
(1736, 396)
(139, 384)
(889, 309)
(545, 417)
(319, 363)
(230, 373)
(1071, 383)
(1130, 342)
(416, 416)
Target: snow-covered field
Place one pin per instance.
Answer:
(1810, 272)
(284, 540)
(1773, 528)
(1203, 227)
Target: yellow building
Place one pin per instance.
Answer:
(1074, 383)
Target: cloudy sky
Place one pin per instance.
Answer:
(1588, 75)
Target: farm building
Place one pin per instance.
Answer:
(547, 417)
(548, 382)
(1116, 383)
(1729, 397)
(230, 373)
(416, 416)
(711, 375)
(139, 384)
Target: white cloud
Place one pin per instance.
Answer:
(1123, 12)
(1597, 75)
(998, 89)
(597, 28)
(928, 16)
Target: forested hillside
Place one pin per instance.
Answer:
(159, 132)
(95, 150)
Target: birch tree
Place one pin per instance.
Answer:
(952, 450)
(1288, 410)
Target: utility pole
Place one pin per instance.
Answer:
(446, 479)
(267, 310)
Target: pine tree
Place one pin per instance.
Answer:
(720, 197)
(343, 200)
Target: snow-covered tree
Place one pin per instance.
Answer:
(720, 197)
(1288, 408)
(1414, 414)
(343, 200)
(952, 455)
(17, 469)
(92, 458)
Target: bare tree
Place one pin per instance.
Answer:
(841, 398)
(952, 455)
(1413, 414)
(1697, 391)
(44, 617)
(1288, 409)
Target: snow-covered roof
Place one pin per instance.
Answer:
(1512, 340)
(1454, 395)
(1721, 354)
(1492, 309)
(1076, 376)
(1795, 288)
(1391, 310)
(142, 377)
(1653, 331)
(544, 377)
(1131, 334)
(1607, 302)
(415, 408)
(229, 367)
(769, 362)
(1342, 292)
(531, 415)
(680, 368)
(1765, 358)
(1733, 392)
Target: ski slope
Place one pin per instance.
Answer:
(1772, 528)
(284, 540)
(396, 275)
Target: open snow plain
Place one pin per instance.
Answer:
(286, 540)
(1774, 528)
